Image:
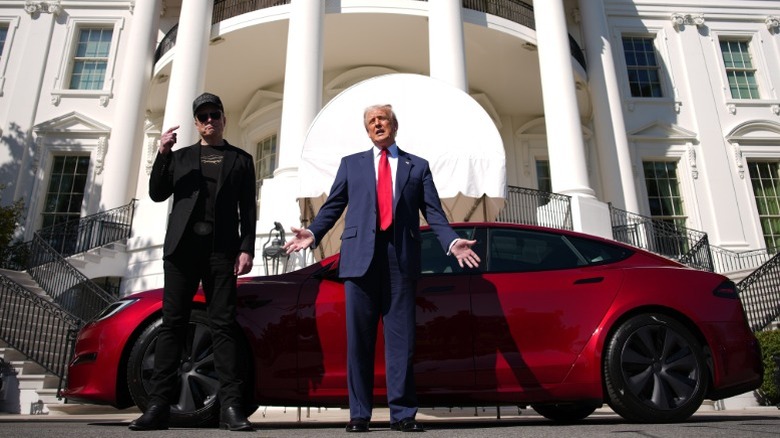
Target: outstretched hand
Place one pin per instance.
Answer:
(462, 251)
(302, 239)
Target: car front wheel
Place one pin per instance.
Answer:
(197, 404)
(654, 370)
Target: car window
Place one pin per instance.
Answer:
(599, 252)
(434, 259)
(522, 250)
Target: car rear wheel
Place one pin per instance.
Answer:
(654, 370)
(566, 412)
(197, 403)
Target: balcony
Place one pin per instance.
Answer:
(513, 10)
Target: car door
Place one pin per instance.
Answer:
(443, 356)
(535, 308)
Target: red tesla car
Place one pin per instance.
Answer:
(557, 320)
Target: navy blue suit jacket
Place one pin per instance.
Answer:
(355, 186)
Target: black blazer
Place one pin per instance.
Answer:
(178, 174)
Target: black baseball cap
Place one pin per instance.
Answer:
(204, 99)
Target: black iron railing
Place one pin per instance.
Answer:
(85, 233)
(224, 9)
(676, 242)
(36, 327)
(70, 289)
(760, 294)
(536, 207)
(726, 260)
(513, 10)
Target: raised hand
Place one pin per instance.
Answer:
(167, 140)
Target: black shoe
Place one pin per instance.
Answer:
(407, 425)
(233, 418)
(156, 417)
(357, 426)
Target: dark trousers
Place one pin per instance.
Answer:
(382, 292)
(190, 265)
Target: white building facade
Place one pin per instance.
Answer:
(665, 109)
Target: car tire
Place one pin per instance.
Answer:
(566, 412)
(654, 370)
(198, 404)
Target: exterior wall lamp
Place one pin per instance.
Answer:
(274, 255)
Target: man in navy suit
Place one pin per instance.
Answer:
(380, 262)
(210, 240)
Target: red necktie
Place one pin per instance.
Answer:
(384, 192)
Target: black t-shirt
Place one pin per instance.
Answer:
(210, 167)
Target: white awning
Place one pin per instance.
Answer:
(435, 121)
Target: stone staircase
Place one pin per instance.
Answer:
(30, 389)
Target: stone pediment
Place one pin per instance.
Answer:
(72, 123)
(761, 131)
(657, 131)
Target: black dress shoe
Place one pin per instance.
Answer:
(357, 426)
(407, 425)
(233, 418)
(156, 417)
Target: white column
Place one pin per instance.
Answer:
(611, 140)
(187, 79)
(126, 144)
(564, 132)
(302, 80)
(188, 73)
(445, 40)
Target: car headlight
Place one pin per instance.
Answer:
(114, 308)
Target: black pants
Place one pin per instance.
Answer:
(191, 264)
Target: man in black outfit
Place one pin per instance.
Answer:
(210, 240)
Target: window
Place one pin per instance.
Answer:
(740, 72)
(765, 177)
(63, 203)
(265, 159)
(66, 189)
(644, 76)
(543, 179)
(434, 260)
(666, 235)
(90, 60)
(522, 251)
(3, 36)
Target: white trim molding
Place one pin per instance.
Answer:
(36, 7)
(679, 20)
(773, 23)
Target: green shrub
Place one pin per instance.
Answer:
(769, 393)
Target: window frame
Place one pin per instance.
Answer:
(747, 151)
(257, 158)
(724, 71)
(658, 66)
(62, 81)
(13, 24)
(666, 73)
(776, 162)
(658, 150)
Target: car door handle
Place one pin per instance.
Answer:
(589, 280)
(435, 289)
